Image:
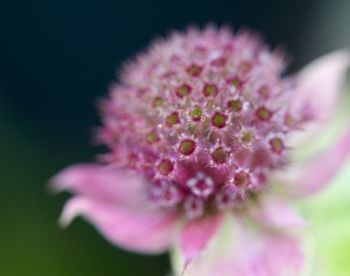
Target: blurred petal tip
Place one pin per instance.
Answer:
(72, 209)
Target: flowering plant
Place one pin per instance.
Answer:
(201, 130)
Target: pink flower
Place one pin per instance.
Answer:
(201, 131)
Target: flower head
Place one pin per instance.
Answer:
(202, 111)
(198, 127)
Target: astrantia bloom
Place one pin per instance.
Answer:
(200, 131)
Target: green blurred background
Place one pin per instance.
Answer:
(56, 59)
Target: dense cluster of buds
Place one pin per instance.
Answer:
(203, 117)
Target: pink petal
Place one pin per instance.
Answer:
(313, 175)
(101, 182)
(278, 255)
(196, 235)
(146, 231)
(275, 212)
(319, 92)
(249, 251)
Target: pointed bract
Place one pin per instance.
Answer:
(318, 93)
(101, 182)
(147, 231)
(245, 250)
(313, 175)
(197, 235)
(276, 212)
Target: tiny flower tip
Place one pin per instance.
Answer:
(333, 64)
(66, 179)
(58, 184)
(324, 75)
(343, 54)
(72, 209)
(52, 187)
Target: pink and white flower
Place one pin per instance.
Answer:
(200, 130)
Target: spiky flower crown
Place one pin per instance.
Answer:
(203, 116)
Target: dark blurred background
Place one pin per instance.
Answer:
(56, 59)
